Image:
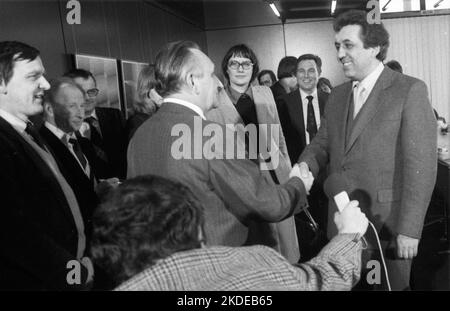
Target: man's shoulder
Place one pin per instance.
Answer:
(293, 96)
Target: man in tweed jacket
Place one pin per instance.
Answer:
(149, 236)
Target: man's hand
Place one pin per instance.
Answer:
(304, 174)
(407, 247)
(351, 219)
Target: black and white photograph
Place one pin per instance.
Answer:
(224, 151)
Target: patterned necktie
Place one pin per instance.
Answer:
(31, 130)
(96, 138)
(94, 126)
(311, 125)
(78, 152)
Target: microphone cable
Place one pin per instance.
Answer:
(381, 255)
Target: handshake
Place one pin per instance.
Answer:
(302, 171)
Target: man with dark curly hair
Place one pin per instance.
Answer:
(379, 134)
(149, 236)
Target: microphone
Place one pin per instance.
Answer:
(336, 186)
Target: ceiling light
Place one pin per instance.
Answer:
(333, 6)
(274, 9)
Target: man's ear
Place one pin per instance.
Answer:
(194, 84)
(3, 87)
(376, 50)
(48, 110)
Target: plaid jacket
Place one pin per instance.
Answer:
(337, 267)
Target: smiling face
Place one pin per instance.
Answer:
(69, 109)
(356, 60)
(23, 95)
(240, 77)
(307, 75)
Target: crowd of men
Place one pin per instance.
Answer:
(213, 222)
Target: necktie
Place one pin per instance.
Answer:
(31, 130)
(311, 125)
(358, 99)
(77, 150)
(96, 138)
(94, 126)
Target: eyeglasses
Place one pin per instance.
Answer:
(235, 65)
(92, 92)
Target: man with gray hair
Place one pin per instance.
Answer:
(234, 191)
(63, 116)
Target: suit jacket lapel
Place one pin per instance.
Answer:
(370, 107)
(341, 116)
(41, 164)
(295, 108)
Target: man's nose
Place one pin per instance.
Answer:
(43, 84)
(340, 53)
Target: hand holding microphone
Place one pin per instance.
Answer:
(302, 171)
(351, 220)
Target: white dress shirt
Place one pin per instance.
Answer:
(19, 124)
(316, 108)
(362, 89)
(186, 104)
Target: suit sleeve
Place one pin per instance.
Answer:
(316, 154)
(418, 145)
(247, 192)
(26, 245)
(281, 139)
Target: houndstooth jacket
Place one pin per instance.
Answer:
(337, 267)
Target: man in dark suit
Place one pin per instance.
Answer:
(104, 127)
(232, 190)
(304, 108)
(63, 115)
(41, 228)
(378, 137)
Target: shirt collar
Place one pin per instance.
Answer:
(19, 124)
(303, 94)
(369, 82)
(186, 104)
(57, 131)
(93, 114)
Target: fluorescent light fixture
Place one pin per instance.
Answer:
(274, 9)
(333, 6)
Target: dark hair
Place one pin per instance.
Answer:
(395, 65)
(325, 81)
(313, 57)
(372, 35)
(145, 219)
(80, 73)
(170, 64)
(240, 50)
(287, 67)
(267, 72)
(11, 52)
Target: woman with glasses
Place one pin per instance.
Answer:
(147, 103)
(242, 103)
